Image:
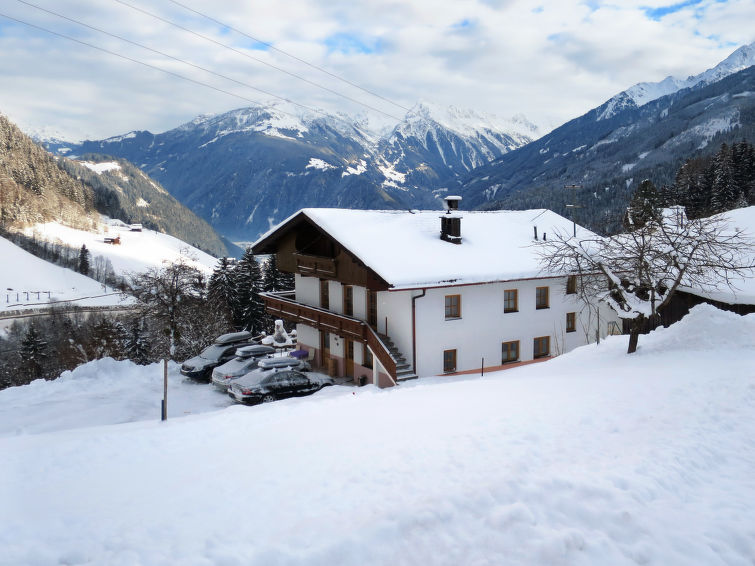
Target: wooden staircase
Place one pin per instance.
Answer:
(404, 371)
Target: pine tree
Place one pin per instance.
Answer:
(644, 206)
(84, 260)
(136, 343)
(274, 279)
(248, 284)
(725, 192)
(690, 185)
(33, 352)
(743, 158)
(222, 297)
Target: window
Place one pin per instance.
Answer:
(510, 300)
(453, 306)
(372, 308)
(449, 360)
(367, 357)
(571, 284)
(509, 351)
(541, 347)
(348, 300)
(541, 298)
(571, 322)
(324, 294)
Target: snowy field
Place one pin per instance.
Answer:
(593, 458)
(31, 282)
(138, 251)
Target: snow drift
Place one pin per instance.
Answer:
(596, 457)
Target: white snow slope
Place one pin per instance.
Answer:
(26, 281)
(137, 252)
(595, 457)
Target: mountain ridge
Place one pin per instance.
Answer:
(268, 161)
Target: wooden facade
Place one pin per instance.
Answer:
(302, 247)
(284, 306)
(681, 303)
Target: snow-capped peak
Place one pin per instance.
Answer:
(49, 134)
(462, 121)
(275, 119)
(642, 93)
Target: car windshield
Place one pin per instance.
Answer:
(213, 352)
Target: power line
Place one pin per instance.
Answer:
(171, 57)
(140, 62)
(206, 38)
(286, 53)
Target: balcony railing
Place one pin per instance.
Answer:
(285, 306)
(315, 265)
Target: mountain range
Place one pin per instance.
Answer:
(245, 170)
(609, 150)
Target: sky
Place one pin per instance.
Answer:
(550, 61)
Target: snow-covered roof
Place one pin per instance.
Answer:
(743, 291)
(404, 248)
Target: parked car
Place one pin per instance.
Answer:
(284, 363)
(247, 358)
(264, 386)
(222, 350)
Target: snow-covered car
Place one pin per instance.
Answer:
(264, 386)
(222, 350)
(245, 361)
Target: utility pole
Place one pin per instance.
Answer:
(574, 205)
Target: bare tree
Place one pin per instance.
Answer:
(636, 273)
(171, 296)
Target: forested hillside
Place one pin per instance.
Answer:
(123, 191)
(35, 189)
(608, 158)
(38, 187)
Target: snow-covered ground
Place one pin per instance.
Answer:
(30, 282)
(595, 457)
(138, 251)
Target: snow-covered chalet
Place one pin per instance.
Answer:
(401, 294)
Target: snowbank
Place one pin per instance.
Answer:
(103, 392)
(596, 457)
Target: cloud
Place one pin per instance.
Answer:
(551, 62)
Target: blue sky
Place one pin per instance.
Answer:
(550, 61)
(659, 12)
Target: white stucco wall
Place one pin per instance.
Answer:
(307, 337)
(395, 310)
(307, 290)
(483, 325)
(479, 332)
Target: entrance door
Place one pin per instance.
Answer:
(324, 349)
(349, 369)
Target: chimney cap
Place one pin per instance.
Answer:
(451, 202)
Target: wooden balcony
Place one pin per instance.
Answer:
(284, 305)
(315, 265)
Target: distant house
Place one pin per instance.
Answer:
(135, 227)
(400, 294)
(115, 240)
(740, 298)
